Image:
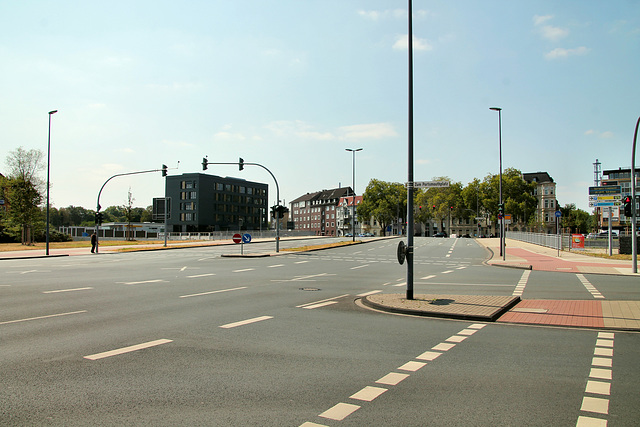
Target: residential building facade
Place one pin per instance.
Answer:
(545, 192)
(346, 216)
(317, 212)
(201, 203)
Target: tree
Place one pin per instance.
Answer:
(577, 220)
(24, 190)
(383, 201)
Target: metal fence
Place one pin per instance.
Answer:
(555, 241)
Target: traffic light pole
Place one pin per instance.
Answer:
(163, 170)
(241, 163)
(634, 239)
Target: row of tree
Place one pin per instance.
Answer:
(387, 201)
(23, 204)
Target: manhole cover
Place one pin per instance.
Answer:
(309, 289)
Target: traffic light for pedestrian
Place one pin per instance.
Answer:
(164, 170)
(240, 163)
(628, 209)
(99, 218)
(205, 163)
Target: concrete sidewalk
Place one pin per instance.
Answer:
(534, 257)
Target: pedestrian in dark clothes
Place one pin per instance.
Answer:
(94, 242)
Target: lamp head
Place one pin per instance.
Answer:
(495, 108)
(53, 112)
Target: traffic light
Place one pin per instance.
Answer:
(274, 211)
(240, 163)
(99, 218)
(281, 211)
(500, 209)
(628, 209)
(164, 170)
(205, 163)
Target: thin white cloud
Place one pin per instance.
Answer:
(549, 32)
(560, 52)
(378, 15)
(177, 144)
(604, 135)
(367, 131)
(541, 19)
(402, 43)
(229, 137)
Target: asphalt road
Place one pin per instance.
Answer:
(186, 337)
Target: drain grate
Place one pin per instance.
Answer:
(309, 289)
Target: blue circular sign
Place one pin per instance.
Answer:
(246, 238)
(558, 214)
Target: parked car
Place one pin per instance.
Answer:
(440, 234)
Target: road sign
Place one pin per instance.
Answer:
(429, 184)
(604, 204)
(558, 214)
(602, 198)
(402, 252)
(246, 238)
(605, 190)
(507, 219)
(237, 238)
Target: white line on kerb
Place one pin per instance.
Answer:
(42, 317)
(246, 322)
(212, 292)
(127, 349)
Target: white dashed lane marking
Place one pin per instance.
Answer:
(599, 383)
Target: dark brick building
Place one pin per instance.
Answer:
(201, 203)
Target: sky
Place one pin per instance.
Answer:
(290, 84)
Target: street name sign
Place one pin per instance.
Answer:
(428, 184)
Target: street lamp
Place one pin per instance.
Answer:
(502, 237)
(353, 172)
(48, 162)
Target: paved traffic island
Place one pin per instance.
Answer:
(467, 307)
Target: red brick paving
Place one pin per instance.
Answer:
(559, 313)
(550, 263)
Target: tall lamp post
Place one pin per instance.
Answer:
(353, 172)
(634, 214)
(48, 163)
(502, 237)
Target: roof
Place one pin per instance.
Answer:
(537, 177)
(325, 195)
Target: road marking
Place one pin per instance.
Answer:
(368, 293)
(456, 339)
(447, 272)
(246, 322)
(603, 358)
(467, 332)
(201, 275)
(66, 290)
(368, 393)
(322, 304)
(127, 349)
(592, 290)
(212, 292)
(340, 411)
(517, 292)
(443, 346)
(318, 302)
(274, 266)
(28, 271)
(183, 268)
(144, 281)
(243, 270)
(428, 277)
(392, 378)
(429, 355)
(42, 317)
(359, 266)
(310, 424)
(412, 366)
(300, 262)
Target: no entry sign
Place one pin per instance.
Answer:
(237, 238)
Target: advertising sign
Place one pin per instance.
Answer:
(577, 241)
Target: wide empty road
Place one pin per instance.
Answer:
(187, 337)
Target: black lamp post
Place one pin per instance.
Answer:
(353, 172)
(48, 163)
(502, 237)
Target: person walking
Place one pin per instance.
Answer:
(94, 242)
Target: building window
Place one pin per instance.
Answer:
(192, 195)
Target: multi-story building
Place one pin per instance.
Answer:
(346, 216)
(621, 177)
(317, 212)
(545, 192)
(200, 203)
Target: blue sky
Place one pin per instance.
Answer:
(291, 84)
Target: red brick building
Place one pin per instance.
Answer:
(317, 212)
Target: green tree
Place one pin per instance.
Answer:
(384, 201)
(23, 190)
